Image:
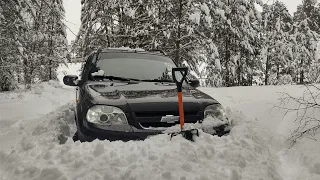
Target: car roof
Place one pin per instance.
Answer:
(129, 50)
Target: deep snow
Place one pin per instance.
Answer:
(301, 162)
(36, 129)
(242, 155)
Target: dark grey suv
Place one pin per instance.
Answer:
(130, 95)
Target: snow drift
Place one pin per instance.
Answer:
(48, 152)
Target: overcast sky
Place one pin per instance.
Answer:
(73, 12)
(72, 19)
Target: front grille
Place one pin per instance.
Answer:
(163, 113)
(162, 124)
(153, 119)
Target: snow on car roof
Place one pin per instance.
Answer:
(136, 50)
(124, 49)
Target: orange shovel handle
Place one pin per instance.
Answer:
(181, 111)
(183, 71)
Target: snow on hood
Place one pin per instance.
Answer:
(48, 152)
(142, 90)
(98, 73)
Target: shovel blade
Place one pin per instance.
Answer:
(187, 134)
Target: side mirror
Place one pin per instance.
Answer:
(70, 80)
(194, 83)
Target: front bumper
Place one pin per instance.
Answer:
(133, 131)
(90, 132)
(127, 133)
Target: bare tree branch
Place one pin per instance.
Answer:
(305, 108)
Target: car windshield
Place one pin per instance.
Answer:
(137, 66)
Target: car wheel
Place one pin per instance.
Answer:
(75, 137)
(84, 138)
(78, 136)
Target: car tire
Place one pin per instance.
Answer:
(75, 137)
(78, 136)
(84, 138)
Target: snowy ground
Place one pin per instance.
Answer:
(36, 129)
(302, 162)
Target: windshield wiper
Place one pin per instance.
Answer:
(158, 80)
(117, 78)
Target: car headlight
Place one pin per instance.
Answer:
(106, 115)
(216, 111)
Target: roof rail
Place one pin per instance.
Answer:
(101, 49)
(123, 49)
(155, 50)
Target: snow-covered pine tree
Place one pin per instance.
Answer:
(305, 36)
(55, 42)
(236, 36)
(47, 44)
(13, 27)
(178, 27)
(115, 24)
(246, 43)
(277, 50)
(189, 30)
(6, 42)
(32, 41)
(75, 49)
(317, 16)
(35, 40)
(85, 30)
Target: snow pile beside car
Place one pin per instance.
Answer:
(48, 152)
(302, 161)
(21, 111)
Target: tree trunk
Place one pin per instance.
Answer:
(301, 72)
(239, 74)
(51, 47)
(50, 69)
(106, 25)
(278, 71)
(239, 69)
(227, 56)
(177, 54)
(27, 75)
(227, 63)
(18, 74)
(250, 74)
(301, 77)
(49, 55)
(267, 70)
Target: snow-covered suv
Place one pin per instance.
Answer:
(130, 95)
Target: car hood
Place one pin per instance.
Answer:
(146, 96)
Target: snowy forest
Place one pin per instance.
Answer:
(225, 42)
(33, 41)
